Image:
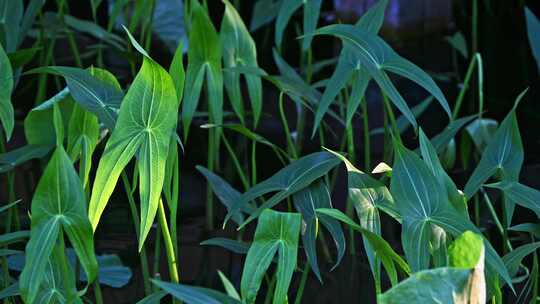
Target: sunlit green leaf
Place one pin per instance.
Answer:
(276, 232)
(146, 122)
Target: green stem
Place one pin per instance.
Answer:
(290, 144)
(254, 162)
(157, 253)
(243, 178)
(349, 208)
(393, 122)
(167, 240)
(97, 291)
(461, 96)
(136, 223)
(506, 242)
(303, 281)
(209, 193)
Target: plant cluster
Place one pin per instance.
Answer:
(97, 135)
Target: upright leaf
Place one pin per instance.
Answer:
(58, 205)
(276, 232)
(146, 122)
(6, 87)
(204, 60)
(312, 10)
(533, 32)
(239, 49)
(11, 13)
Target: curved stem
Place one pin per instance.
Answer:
(167, 240)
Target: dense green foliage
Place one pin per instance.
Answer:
(97, 135)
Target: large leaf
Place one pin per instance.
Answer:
(520, 194)
(533, 32)
(276, 232)
(99, 94)
(204, 59)
(307, 201)
(439, 285)
(239, 50)
(422, 201)
(58, 205)
(296, 176)
(195, 295)
(145, 125)
(348, 66)
(377, 57)
(6, 87)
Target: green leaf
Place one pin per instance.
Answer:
(99, 94)
(276, 232)
(513, 259)
(264, 11)
(533, 32)
(239, 49)
(440, 285)
(445, 182)
(204, 59)
(224, 191)
(13, 237)
(14, 158)
(286, 10)
(195, 295)
(296, 176)
(229, 287)
(21, 57)
(231, 245)
(154, 298)
(527, 227)
(10, 291)
(29, 17)
(11, 13)
(377, 58)
(383, 250)
(349, 65)
(503, 154)
(176, 70)
(6, 83)
(306, 202)
(312, 9)
(457, 41)
(368, 195)
(481, 130)
(146, 122)
(441, 140)
(520, 194)
(58, 205)
(402, 123)
(422, 201)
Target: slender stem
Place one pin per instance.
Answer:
(209, 193)
(167, 240)
(243, 178)
(392, 118)
(291, 146)
(496, 219)
(97, 291)
(459, 99)
(253, 162)
(136, 223)
(349, 208)
(157, 253)
(303, 281)
(367, 146)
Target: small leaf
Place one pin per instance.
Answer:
(229, 287)
(457, 41)
(276, 232)
(232, 245)
(6, 84)
(195, 295)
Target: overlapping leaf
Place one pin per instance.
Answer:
(276, 232)
(306, 202)
(146, 123)
(58, 206)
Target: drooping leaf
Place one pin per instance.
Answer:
(99, 95)
(296, 176)
(533, 32)
(239, 49)
(146, 122)
(6, 87)
(513, 259)
(481, 130)
(14, 158)
(232, 245)
(421, 201)
(306, 202)
(520, 194)
(58, 206)
(110, 269)
(195, 295)
(204, 60)
(276, 232)
(377, 58)
(383, 251)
